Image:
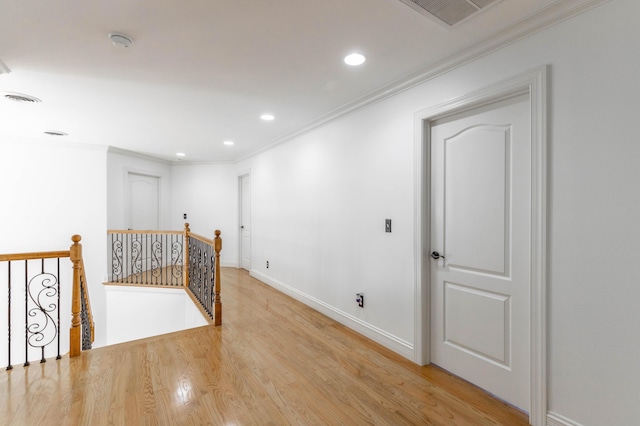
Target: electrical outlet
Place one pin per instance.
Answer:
(267, 264)
(360, 299)
(184, 215)
(387, 225)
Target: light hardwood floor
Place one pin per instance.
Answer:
(273, 362)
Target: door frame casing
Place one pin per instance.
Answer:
(533, 83)
(241, 175)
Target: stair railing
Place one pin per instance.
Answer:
(176, 259)
(34, 284)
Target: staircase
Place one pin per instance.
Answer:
(39, 289)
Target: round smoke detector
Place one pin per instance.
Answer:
(120, 40)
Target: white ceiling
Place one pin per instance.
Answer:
(203, 71)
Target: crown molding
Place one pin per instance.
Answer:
(3, 68)
(171, 162)
(143, 156)
(42, 141)
(533, 23)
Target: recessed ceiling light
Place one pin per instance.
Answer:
(355, 59)
(267, 117)
(20, 97)
(120, 40)
(228, 143)
(55, 133)
(180, 154)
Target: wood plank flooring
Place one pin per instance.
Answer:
(273, 362)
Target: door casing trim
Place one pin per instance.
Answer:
(241, 175)
(533, 83)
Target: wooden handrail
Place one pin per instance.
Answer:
(138, 231)
(34, 255)
(203, 239)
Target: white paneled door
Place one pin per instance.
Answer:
(245, 222)
(481, 247)
(143, 203)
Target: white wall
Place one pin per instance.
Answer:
(209, 196)
(319, 204)
(319, 207)
(50, 192)
(136, 312)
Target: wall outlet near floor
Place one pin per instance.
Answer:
(267, 264)
(360, 299)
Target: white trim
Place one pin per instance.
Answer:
(554, 419)
(125, 152)
(533, 83)
(40, 141)
(376, 334)
(3, 68)
(239, 217)
(548, 16)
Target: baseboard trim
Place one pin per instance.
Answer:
(376, 334)
(555, 419)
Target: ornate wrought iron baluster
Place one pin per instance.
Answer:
(9, 366)
(84, 317)
(117, 267)
(42, 291)
(26, 310)
(58, 355)
(176, 260)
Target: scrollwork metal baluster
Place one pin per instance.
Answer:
(42, 330)
(117, 267)
(212, 294)
(156, 258)
(136, 257)
(84, 318)
(176, 262)
(26, 312)
(58, 328)
(9, 366)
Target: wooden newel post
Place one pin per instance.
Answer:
(75, 338)
(185, 260)
(216, 300)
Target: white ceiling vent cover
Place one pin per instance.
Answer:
(450, 12)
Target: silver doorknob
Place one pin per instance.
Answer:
(436, 255)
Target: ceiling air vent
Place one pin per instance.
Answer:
(55, 133)
(450, 12)
(19, 97)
